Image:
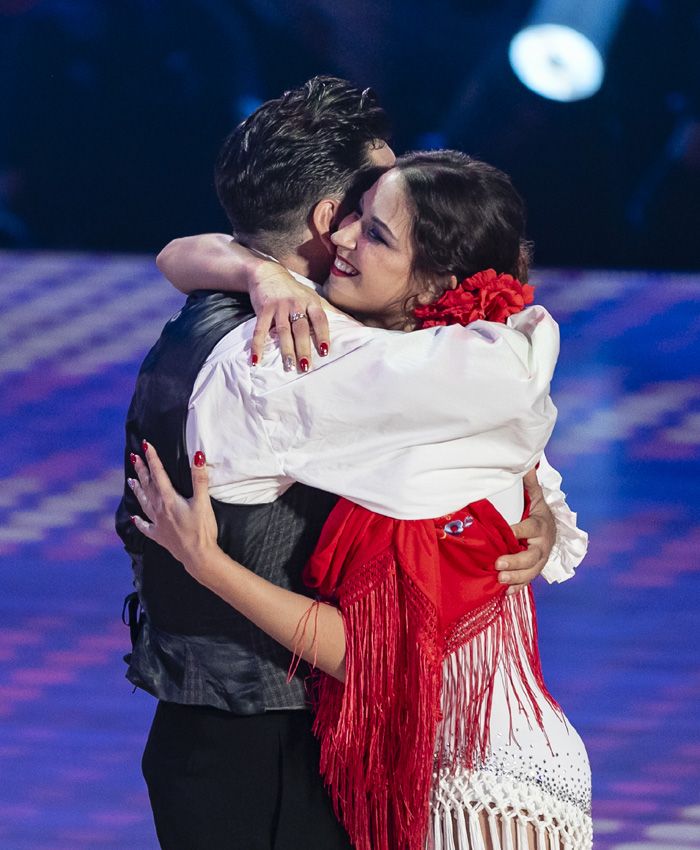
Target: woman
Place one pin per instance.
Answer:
(486, 750)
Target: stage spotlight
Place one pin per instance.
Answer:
(560, 52)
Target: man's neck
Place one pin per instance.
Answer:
(297, 264)
(310, 259)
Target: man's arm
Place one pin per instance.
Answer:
(571, 543)
(539, 531)
(556, 546)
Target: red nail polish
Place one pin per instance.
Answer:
(199, 459)
(133, 519)
(132, 457)
(304, 364)
(144, 446)
(253, 359)
(323, 349)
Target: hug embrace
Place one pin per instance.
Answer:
(334, 509)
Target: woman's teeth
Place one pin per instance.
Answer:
(344, 267)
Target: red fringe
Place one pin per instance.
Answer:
(500, 638)
(378, 731)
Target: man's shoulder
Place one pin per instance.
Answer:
(206, 313)
(209, 302)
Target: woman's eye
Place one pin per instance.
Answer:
(374, 234)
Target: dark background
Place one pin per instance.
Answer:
(111, 114)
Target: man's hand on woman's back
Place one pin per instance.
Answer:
(540, 532)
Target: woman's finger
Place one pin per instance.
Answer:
(200, 477)
(260, 335)
(141, 470)
(160, 482)
(286, 341)
(140, 494)
(143, 526)
(321, 331)
(301, 332)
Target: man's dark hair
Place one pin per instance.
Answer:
(293, 151)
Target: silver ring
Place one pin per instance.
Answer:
(294, 317)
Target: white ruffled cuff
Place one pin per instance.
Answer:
(571, 542)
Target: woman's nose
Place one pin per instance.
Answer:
(346, 234)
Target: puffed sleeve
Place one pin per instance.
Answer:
(415, 425)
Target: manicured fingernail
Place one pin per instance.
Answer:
(133, 519)
(132, 458)
(253, 359)
(323, 349)
(144, 446)
(288, 363)
(131, 482)
(199, 459)
(501, 565)
(304, 364)
(504, 578)
(511, 591)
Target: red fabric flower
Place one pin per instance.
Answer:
(485, 295)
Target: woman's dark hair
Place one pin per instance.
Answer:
(293, 151)
(467, 217)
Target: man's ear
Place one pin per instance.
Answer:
(322, 220)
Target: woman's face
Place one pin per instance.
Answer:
(371, 275)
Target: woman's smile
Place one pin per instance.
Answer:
(374, 247)
(342, 268)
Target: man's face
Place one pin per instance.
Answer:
(382, 155)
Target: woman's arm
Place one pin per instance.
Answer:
(187, 529)
(215, 261)
(209, 261)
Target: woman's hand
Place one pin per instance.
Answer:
(185, 527)
(215, 261)
(277, 299)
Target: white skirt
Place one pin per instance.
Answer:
(532, 789)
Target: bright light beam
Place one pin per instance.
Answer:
(560, 53)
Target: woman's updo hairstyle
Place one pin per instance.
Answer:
(467, 217)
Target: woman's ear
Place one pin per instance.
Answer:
(322, 221)
(428, 294)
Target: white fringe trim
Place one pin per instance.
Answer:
(457, 822)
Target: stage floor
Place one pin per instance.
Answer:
(619, 642)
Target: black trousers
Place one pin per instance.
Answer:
(219, 781)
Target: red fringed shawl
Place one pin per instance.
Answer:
(411, 595)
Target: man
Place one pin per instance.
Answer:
(230, 760)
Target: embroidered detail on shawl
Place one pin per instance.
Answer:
(395, 718)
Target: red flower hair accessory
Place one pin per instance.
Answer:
(485, 295)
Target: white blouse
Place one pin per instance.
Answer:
(411, 425)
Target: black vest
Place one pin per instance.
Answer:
(191, 646)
